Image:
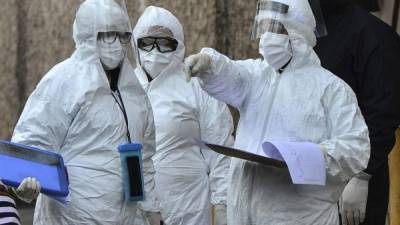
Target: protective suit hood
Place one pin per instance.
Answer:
(94, 16)
(156, 16)
(299, 21)
(300, 24)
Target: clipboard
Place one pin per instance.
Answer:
(236, 153)
(19, 161)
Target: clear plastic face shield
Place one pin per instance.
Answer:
(269, 13)
(267, 18)
(114, 41)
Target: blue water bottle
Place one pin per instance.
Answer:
(131, 167)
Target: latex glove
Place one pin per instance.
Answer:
(353, 202)
(220, 215)
(153, 218)
(28, 190)
(195, 64)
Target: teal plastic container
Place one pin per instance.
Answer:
(132, 175)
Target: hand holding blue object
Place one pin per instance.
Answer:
(18, 162)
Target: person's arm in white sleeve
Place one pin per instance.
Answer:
(216, 126)
(46, 117)
(151, 203)
(347, 150)
(222, 78)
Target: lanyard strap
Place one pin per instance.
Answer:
(122, 108)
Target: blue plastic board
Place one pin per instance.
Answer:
(19, 161)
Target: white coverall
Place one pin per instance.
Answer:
(188, 179)
(72, 112)
(304, 103)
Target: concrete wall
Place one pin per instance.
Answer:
(9, 101)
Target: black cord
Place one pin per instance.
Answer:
(122, 107)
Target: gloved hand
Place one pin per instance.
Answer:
(28, 190)
(195, 64)
(220, 215)
(353, 202)
(154, 218)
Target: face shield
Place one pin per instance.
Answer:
(112, 33)
(268, 17)
(270, 14)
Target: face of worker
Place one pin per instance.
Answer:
(156, 50)
(274, 44)
(111, 48)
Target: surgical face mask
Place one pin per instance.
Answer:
(276, 49)
(110, 54)
(154, 62)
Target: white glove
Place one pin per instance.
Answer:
(220, 215)
(153, 218)
(194, 64)
(353, 202)
(28, 190)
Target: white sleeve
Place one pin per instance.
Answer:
(227, 80)
(216, 126)
(151, 203)
(46, 117)
(348, 148)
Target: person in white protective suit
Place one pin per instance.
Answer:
(286, 96)
(188, 179)
(83, 109)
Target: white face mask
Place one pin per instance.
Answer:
(111, 55)
(276, 49)
(154, 62)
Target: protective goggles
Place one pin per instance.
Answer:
(267, 18)
(163, 44)
(110, 37)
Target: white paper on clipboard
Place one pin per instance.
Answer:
(304, 160)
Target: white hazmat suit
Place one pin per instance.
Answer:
(72, 112)
(188, 179)
(304, 103)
